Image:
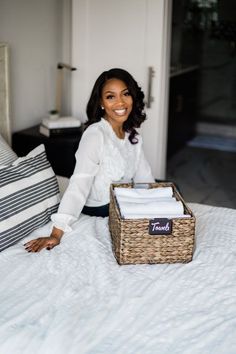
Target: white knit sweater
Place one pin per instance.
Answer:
(101, 159)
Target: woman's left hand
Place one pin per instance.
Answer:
(42, 242)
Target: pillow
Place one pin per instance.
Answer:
(7, 155)
(63, 184)
(29, 194)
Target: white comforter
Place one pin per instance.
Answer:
(76, 299)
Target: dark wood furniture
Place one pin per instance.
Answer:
(60, 149)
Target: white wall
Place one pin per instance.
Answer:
(37, 32)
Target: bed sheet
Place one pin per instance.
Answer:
(76, 299)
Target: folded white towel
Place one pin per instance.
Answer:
(157, 207)
(153, 216)
(137, 203)
(144, 193)
(122, 198)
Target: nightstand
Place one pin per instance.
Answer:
(60, 149)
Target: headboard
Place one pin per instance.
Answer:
(5, 128)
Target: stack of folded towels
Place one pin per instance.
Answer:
(138, 203)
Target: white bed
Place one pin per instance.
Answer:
(76, 299)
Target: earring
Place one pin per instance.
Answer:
(102, 107)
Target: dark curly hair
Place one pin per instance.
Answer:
(137, 115)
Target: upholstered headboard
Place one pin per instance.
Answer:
(5, 128)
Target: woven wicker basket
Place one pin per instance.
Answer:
(132, 243)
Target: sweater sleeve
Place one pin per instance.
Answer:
(87, 164)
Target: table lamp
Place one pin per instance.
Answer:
(55, 113)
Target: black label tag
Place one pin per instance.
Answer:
(160, 226)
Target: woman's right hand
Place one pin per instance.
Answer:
(49, 242)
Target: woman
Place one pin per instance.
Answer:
(110, 151)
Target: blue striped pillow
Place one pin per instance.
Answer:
(7, 155)
(29, 194)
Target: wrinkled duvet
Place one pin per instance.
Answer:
(76, 299)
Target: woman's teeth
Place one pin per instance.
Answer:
(120, 112)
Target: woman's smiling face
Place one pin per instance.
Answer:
(116, 101)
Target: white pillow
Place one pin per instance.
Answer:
(63, 184)
(29, 194)
(7, 155)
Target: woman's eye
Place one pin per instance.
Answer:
(127, 93)
(109, 97)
